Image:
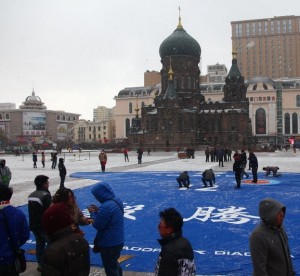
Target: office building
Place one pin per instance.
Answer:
(268, 47)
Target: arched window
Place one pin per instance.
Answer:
(69, 118)
(295, 123)
(298, 100)
(189, 82)
(130, 108)
(287, 129)
(182, 82)
(64, 117)
(58, 117)
(260, 121)
(6, 116)
(1, 117)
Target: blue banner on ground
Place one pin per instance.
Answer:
(218, 220)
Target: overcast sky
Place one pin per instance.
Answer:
(78, 54)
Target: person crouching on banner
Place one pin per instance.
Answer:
(208, 175)
(108, 220)
(176, 257)
(183, 180)
(271, 169)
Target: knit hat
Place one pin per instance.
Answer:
(56, 217)
(40, 180)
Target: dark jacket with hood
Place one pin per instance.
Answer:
(176, 257)
(109, 219)
(269, 247)
(67, 254)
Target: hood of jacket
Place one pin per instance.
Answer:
(102, 192)
(268, 210)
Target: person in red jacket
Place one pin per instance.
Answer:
(67, 253)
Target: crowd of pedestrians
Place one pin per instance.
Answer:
(61, 248)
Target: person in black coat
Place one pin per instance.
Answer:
(62, 172)
(253, 163)
(238, 170)
(34, 159)
(140, 155)
(54, 159)
(38, 202)
(176, 256)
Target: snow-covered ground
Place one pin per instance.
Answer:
(23, 172)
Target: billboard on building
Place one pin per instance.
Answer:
(34, 123)
(62, 132)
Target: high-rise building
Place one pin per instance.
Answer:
(102, 113)
(268, 47)
(151, 78)
(216, 73)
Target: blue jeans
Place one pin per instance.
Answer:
(40, 246)
(110, 256)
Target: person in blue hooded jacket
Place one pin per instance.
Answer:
(108, 219)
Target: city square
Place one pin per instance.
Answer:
(218, 77)
(220, 241)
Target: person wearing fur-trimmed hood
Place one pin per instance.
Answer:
(269, 246)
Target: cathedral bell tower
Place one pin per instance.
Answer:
(234, 88)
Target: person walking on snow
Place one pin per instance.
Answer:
(103, 160)
(125, 152)
(43, 158)
(5, 173)
(34, 159)
(62, 172)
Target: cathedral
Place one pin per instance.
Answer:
(180, 117)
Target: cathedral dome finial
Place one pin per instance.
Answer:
(179, 20)
(179, 43)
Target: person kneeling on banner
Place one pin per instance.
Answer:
(183, 180)
(208, 175)
(272, 169)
